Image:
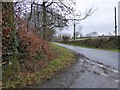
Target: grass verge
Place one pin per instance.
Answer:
(64, 59)
(113, 50)
(107, 49)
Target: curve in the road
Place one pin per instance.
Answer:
(108, 58)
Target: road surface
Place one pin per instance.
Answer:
(93, 69)
(108, 58)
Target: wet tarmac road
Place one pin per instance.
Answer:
(89, 71)
(108, 58)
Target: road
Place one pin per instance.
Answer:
(93, 69)
(108, 58)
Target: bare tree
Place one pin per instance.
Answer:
(55, 8)
(54, 13)
(92, 34)
(77, 17)
(78, 33)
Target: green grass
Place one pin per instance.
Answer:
(113, 50)
(63, 60)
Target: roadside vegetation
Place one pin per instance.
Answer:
(63, 59)
(26, 33)
(104, 43)
(27, 29)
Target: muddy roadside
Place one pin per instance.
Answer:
(61, 74)
(84, 73)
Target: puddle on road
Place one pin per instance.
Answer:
(99, 68)
(91, 80)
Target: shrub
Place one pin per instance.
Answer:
(39, 56)
(66, 38)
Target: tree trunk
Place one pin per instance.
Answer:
(9, 37)
(44, 21)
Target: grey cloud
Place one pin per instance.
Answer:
(102, 21)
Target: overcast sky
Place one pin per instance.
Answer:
(101, 21)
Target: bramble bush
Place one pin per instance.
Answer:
(23, 50)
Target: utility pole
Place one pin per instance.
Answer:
(119, 18)
(74, 32)
(115, 22)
